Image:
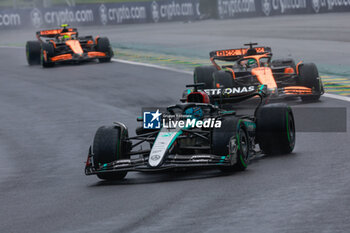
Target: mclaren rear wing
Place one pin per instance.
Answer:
(54, 32)
(235, 54)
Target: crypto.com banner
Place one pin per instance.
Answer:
(160, 11)
(148, 12)
(280, 7)
(48, 17)
(101, 14)
(251, 8)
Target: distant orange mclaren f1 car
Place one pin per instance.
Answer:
(253, 66)
(64, 45)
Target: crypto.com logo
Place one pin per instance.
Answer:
(316, 5)
(103, 14)
(36, 17)
(266, 7)
(155, 11)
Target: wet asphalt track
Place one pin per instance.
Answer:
(48, 118)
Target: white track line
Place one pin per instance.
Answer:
(338, 97)
(11, 47)
(332, 96)
(152, 66)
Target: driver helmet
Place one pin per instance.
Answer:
(66, 37)
(251, 62)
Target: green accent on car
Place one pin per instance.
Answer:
(189, 91)
(250, 124)
(261, 88)
(238, 142)
(173, 140)
(223, 158)
(242, 161)
(228, 112)
(287, 119)
(166, 135)
(239, 145)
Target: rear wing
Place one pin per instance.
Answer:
(54, 32)
(235, 54)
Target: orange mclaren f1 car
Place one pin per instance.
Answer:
(64, 45)
(254, 66)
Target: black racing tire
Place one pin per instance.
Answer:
(232, 127)
(33, 52)
(50, 52)
(204, 74)
(309, 77)
(108, 147)
(275, 129)
(222, 79)
(104, 46)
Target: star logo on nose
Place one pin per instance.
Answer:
(156, 115)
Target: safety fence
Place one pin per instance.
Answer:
(249, 8)
(161, 11)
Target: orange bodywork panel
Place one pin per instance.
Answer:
(232, 72)
(45, 55)
(53, 42)
(297, 90)
(75, 46)
(68, 33)
(299, 63)
(214, 63)
(63, 57)
(265, 76)
(96, 54)
(289, 70)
